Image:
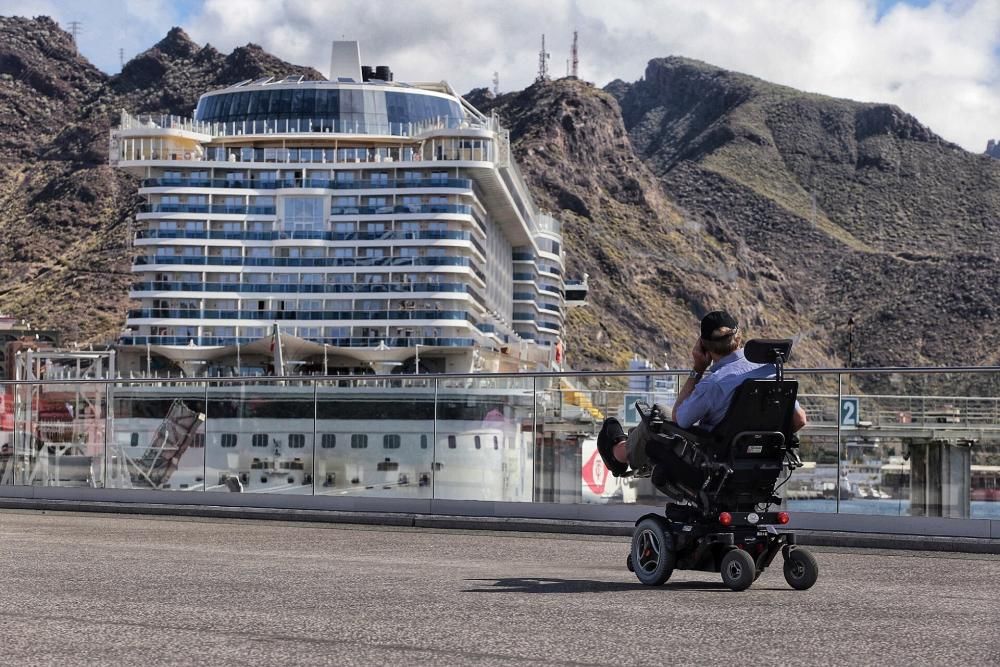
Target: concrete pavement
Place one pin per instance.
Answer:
(111, 589)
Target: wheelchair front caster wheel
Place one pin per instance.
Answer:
(738, 570)
(801, 569)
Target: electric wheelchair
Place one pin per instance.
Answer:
(723, 484)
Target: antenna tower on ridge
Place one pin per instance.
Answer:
(496, 83)
(121, 57)
(75, 27)
(543, 63)
(575, 72)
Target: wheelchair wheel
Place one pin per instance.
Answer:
(738, 570)
(652, 555)
(801, 569)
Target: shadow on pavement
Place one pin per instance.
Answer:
(546, 585)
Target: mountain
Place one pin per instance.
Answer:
(869, 214)
(691, 189)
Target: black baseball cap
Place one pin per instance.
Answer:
(717, 319)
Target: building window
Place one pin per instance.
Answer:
(329, 441)
(423, 442)
(259, 440)
(452, 442)
(479, 442)
(228, 440)
(134, 440)
(296, 440)
(390, 441)
(304, 214)
(359, 441)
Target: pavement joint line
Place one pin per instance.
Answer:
(810, 537)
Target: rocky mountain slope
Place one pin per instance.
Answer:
(691, 189)
(869, 214)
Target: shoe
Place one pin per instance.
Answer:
(611, 434)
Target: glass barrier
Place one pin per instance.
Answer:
(58, 435)
(888, 443)
(157, 438)
(259, 436)
(6, 434)
(483, 445)
(375, 437)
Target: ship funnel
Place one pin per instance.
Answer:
(345, 61)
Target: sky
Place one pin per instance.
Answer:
(937, 59)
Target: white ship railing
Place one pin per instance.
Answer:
(320, 125)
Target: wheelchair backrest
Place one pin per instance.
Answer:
(759, 412)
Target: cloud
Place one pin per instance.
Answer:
(939, 61)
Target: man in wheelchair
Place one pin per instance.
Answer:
(720, 457)
(702, 400)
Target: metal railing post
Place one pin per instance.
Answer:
(434, 441)
(108, 425)
(204, 451)
(534, 433)
(840, 394)
(315, 429)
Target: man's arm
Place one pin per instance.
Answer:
(700, 361)
(798, 418)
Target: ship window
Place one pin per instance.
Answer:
(423, 442)
(479, 443)
(359, 441)
(496, 443)
(452, 442)
(329, 441)
(228, 440)
(296, 440)
(134, 440)
(259, 440)
(390, 442)
(199, 441)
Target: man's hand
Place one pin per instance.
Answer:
(700, 359)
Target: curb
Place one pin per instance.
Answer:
(512, 524)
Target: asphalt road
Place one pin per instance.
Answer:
(105, 589)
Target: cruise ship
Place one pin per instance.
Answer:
(366, 225)
(320, 232)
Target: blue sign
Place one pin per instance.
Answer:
(849, 411)
(631, 415)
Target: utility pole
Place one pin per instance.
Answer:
(543, 63)
(75, 27)
(575, 72)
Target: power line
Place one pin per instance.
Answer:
(75, 28)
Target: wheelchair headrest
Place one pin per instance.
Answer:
(767, 350)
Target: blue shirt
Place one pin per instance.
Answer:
(711, 397)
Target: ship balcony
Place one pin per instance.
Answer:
(296, 315)
(207, 208)
(464, 184)
(210, 260)
(461, 209)
(417, 289)
(375, 342)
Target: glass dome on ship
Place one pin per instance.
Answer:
(348, 225)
